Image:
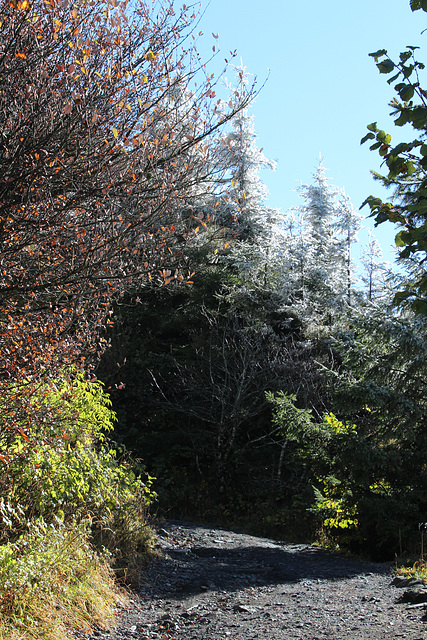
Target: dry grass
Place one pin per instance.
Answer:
(52, 581)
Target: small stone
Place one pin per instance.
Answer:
(243, 609)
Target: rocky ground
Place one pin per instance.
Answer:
(213, 584)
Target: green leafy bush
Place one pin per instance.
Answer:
(357, 502)
(61, 466)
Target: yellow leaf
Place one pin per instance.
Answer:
(115, 132)
(226, 245)
(151, 56)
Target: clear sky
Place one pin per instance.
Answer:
(322, 87)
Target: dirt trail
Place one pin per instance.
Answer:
(214, 584)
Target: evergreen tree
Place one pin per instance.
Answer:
(323, 256)
(348, 223)
(376, 272)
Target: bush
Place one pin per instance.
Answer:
(51, 580)
(61, 467)
(65, 491)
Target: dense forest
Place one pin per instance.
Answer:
(172, 346)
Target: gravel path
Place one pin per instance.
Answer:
(213, 584)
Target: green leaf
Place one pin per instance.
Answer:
(369, 136)
(407, 92)
(404, 118)
(372, 202)
(411, 168)
(400, 296)
(416, 5)
(420, 306)
(419, 117)
(405, 55)
(377, 54)
(383, 137)
(381, 217)
(372, 126)
(386, 66)
(377, 145)
(407, 71)
(400, 148)
(400, 239)
(406, 253)
(391, 80)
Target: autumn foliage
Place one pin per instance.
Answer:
(106, 117)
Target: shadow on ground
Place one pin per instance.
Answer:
(190, 568)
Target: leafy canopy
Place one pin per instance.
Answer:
(405, 169)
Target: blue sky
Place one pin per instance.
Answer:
(322, 87)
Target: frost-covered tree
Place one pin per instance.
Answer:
(321, 233)
(348, 224)
(322, 274)
(376, 272)
(241, 208)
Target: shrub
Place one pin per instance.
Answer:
(60, 466)
(51, 580)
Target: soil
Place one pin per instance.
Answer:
(214, 584)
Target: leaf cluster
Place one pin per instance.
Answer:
(59, 466)
(406, 170)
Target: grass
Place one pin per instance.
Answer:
(416, 570)
(52, 580)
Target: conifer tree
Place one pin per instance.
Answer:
(323, 265)
(348, 223)
(376, 272)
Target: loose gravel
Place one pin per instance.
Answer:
(215, 584)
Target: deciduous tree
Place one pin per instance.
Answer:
(106, 117)
(405, 169)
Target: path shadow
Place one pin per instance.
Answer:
(199, 568)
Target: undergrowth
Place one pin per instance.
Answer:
(52, 580)
(73, 511)
(416, 570)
